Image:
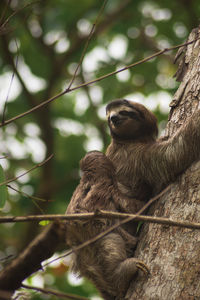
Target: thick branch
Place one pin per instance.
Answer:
(29, 261)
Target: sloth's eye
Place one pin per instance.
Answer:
(130, 114)
(125, 113)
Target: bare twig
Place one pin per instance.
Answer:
(4, 24)
(87, 43)
(55, 293)
(26, 195)
(10, 85)
(101, 215)
(30, 170)
(6, 258)
(29, 196)
(94, 81)
(9, 58)
(4, 12)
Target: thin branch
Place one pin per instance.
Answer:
(94, 81)
(102, 214)
(4, 24)
(17, 11)
(10, 85)
(6, 258)
(30, 170)
(77, 43)
(100, 124)
(9, 58)
(4, 12)
(87, 43)
(26, 195)
(55, 293)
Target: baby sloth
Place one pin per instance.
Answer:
(106, 262)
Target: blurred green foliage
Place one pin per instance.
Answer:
(43, 43)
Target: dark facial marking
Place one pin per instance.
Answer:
(131, 114)
(126, 113)
(124, 102)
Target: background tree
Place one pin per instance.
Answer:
(43, 43)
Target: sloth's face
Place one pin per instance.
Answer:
(119, 115)
(124, 119)
(130, 120)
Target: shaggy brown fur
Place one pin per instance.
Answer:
(144, 164)
(107, 262)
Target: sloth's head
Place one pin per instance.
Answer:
(96, 164)
(131, 121)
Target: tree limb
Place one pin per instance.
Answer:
(102, 214)
(54, 293)
(29, 261)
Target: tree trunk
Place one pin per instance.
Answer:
(171, 253)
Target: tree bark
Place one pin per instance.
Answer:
(171, 253)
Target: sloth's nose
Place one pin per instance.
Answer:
(115, 119)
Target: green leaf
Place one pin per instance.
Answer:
(139, 225)
(44, 223)
(3, 189)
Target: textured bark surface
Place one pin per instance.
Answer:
(173, 254)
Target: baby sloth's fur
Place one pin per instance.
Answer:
(107, 262)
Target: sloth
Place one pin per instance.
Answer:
(145, 165)
(136, 167)
(108, 262)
